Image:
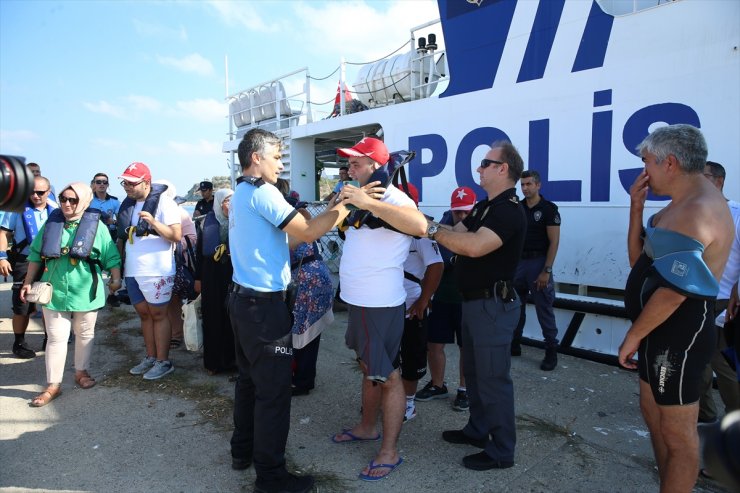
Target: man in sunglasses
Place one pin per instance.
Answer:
(21, 229)
(489, 244)
(107, 204)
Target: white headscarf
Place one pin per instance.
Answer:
(171, 192)
(219, 197)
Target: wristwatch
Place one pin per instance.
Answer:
(548, 270)
(432, 230)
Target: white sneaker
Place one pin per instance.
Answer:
(410, 413)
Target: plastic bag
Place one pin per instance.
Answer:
(193, 325)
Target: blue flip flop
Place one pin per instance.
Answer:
(373, 466)
(353, 437)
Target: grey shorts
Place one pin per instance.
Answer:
(375, 335)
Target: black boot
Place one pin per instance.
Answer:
(516, 348)
(551, 359)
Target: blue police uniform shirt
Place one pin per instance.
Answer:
(107, 206)
(13, 222)
(259, 247)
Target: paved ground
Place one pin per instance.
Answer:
(579, 428)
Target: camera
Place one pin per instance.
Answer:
(16, 183)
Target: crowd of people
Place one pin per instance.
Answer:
(410, 284)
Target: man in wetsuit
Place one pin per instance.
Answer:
(677, 259)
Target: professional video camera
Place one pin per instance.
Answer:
(16, 183)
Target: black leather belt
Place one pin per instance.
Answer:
(265, 295)
(501, 289)
(533, 254)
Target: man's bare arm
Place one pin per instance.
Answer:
(301, 229)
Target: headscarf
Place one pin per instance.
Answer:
(170, 192)
(84, 196)
(223, 221)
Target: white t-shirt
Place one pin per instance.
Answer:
(423, 253)
(371, 269)
(152, 255)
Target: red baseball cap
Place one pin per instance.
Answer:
(135, 172)
(463, 199)
(411, 190)
(369, 147)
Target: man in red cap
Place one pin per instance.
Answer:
(371, 276)
(445, 320)
(148, 225)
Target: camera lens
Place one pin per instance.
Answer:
(16, 183)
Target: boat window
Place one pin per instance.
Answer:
(622, 7)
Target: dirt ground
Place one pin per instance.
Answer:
(579, 427)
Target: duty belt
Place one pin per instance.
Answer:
(527, 254)
(501, 289)
(252, 293)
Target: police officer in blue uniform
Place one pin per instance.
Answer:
(261, 227)
(488, 244)
(106, 203)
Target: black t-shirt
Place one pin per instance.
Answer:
(539, 217)
(505, 217)
(203, 207)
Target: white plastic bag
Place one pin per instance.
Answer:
(192, 325)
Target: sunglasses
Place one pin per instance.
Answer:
(71, 200)
(101, 182)
(125, 183)
(40, 192)
(487, 162)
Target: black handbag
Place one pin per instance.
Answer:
(184, 285)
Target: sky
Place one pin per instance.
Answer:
(92, 86)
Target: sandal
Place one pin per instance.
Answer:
(84, 380)
(46, 396)
(175, 343)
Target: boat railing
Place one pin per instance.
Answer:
(286, 101)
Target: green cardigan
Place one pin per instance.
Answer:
(72, 283)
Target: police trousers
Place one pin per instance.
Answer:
(487, 329)
(263, 343)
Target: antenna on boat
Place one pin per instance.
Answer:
(226, 70)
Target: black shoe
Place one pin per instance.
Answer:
(297, 391)
(516, 349)
(23, 351)
(551, 359)
(483, 462)
(459, 437)
(288, 484)
(240, 464)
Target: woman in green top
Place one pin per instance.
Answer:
(78, 290)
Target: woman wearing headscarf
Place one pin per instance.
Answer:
(312, 312)
(174, 308)
(213, 277)
(76, 248)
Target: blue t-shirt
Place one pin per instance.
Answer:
(258, 245)
(13, 222)
(338, 186)
(108, 207)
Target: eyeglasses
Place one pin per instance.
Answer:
(101, 182)
(71, 200)
(485, 163)
(40, 192)
(126, 184)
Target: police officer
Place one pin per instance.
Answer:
(488, 244)
(260, 222)
(533, 277)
